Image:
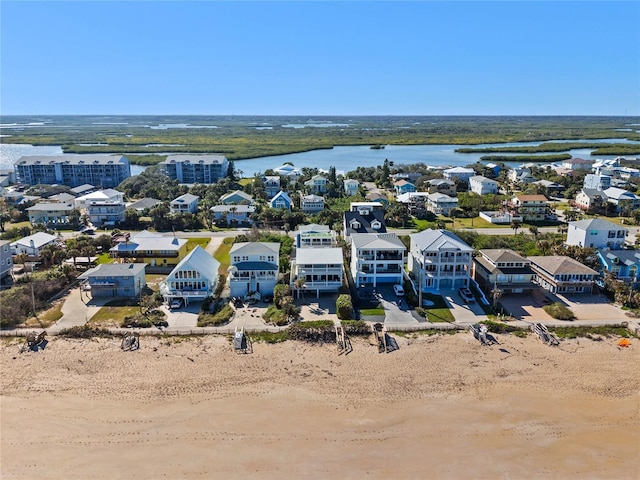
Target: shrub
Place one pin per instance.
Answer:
(220, 317)
(276, 316)
(222, 281)
(559, 311)
(270, 337)
(146, 320)
(319, 331)
(497, 327)
(344, 307)
(356, 327)
(84, 331)
(280, 291)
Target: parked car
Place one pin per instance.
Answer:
(399, 291)
(466, 295)
(175, 304)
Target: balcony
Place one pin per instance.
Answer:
(143, 255)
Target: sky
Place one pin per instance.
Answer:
(320, 58)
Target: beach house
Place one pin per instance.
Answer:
(115, 279)
(482, 185)
(186, 203)
(193, 279)
(503, 269)
(237, 197)
(376, 258)
(351, 187)
(254, 268)
(153, 248)
(281, 200)
(317, 184)
(316, 270)
(311, 203)
(596, 233)
(33, 245)
(561, 274)
(53, 215)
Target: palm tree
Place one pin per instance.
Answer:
(534, 231)
(300, 285)
(515, 225)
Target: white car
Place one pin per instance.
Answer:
(175, 304)
(399, 291)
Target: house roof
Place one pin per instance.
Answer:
(532, 198)
(186, 198)
(72, 159)
(438, 239)
(406, 197)
(482, 179)
(351, 181)
(365, 222)
(441, 197)
(199, 260)
(492, 268)
(254, 266)
(105, 194)
(593, 193)
(374, 196)
(280, 195)
(595, 224)
(311, 198)
(624, 257)
(39, 240)
(441, 181)
(255, 248)
(318, 256)
(618, 193)
(235, 208)
(499, 255)
(402, 183)
(313, 227)
(144, 203)
(459, 170)
(149, 241)
(238, 193)
(82, 188)
(114, 270)
(51, 207)
(377, 240)
(561, 265)
(62, 198)
(205, 159)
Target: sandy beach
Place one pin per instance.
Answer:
(438, 407)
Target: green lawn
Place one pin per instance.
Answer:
(439, 311)
(47, 318)
(372, 311)
(109, 316)
(222, 255)
(245, 181)
(104, 258)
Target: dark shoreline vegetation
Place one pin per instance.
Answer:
(240, 137)
(526, 158)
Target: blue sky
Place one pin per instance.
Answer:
(321, 58)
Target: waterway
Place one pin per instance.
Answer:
(345, 159)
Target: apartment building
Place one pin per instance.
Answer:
(192, 169)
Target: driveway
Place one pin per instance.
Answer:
(461, 311)
(75, 312)
(395, 308)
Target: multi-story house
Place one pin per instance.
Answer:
(281, 200)
(441, 204)
(532, 208)
(195, 168)
(271, 185)
(144, 204)
(6, 261)
(254, 268)
(311, 203)
(53, 215)
(402, 186)
(442, 185)
(577, 164)
(503, 269)
(596, 233)
(116, 279)
(439, 260)
(106, 212)
(351, 187)
(596, 182)
(315, 236)
(624, 264)
(186, 203)
(236, 197)
(33, 245)
(463, 174)
(317, 184)
(482, 185)
(622, 199)
(590, 200)
(73, 170)
(377, 258)
(320, 269)
(193, 279)
(62, 198)
(560, 274)
(375, 197)
(153, 248)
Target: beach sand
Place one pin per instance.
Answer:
(438, 407)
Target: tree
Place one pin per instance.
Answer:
(515, 225)
(534, 231)
(4, 218)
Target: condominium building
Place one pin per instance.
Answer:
(377, 258)
(195, 168)
(73, 170)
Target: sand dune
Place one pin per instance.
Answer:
(439, 407)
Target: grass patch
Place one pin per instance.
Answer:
(245, 181)
(47, 318)
(104, 258)
(372, 311)
(221, 317)
(355, 327)
(193, 242)
(439, 311)
(429, 332)
(112, 316)
(559, 311)
(475, 222)
(151, 319)
(85, 331)
(222, 255)
(499, 327)
(276, 316)
(588, 331)
(270, 337)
